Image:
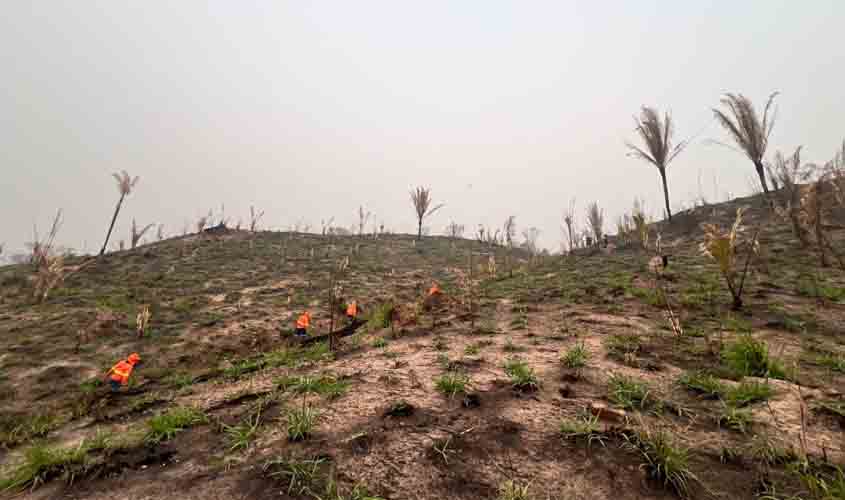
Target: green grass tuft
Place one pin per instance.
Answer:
(750, 357)
(522, 376)
(42, 463)
(576, 357)
(585, 428)
(301, 422)
(512, 490)
(451, 384)
(736, 419)
(628, 392)
(664, 461)
(703, 383)
(324, 385)
(165, 426)
(747, 393)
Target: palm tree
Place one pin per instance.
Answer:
(659, 151)
(124, 187)
(422, 200)
(749, 132)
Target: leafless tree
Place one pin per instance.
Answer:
(455, 230)
(137, 235)
(42, 249)
(569, 222)
(326, 226)
(509, 234)
(204, 221)
(422, 201)
(124, 187)
(750, 133)
(791, 173)
(363, 217)
(254, 218)
(656, 135)
(595, 221)
(530, 237)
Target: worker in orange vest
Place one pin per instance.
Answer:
(352, 311)
(434, 290)
(302, 324)
(119, 373)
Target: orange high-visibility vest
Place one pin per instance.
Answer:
(121, 371)
(303, 321)
(434, 290)
(352, 309)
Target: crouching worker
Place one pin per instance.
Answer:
(352, 311)
(119, 373)
(302, 324)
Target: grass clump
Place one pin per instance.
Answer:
(512, 490)
(663, 460)
(702, 383)
(747, 393)
(750, 357)
(522, 376)
(324, 385)
(734, 418)
(768, 451)
(179, 380)
(628, 392)
(381, 317)
(15, 430)
(618, 346)
(301, 422)
(472, 349)
(300, 474)
(584, 428)
(576, 357)
(165, 426)
(380, 343)
(42, 463)
(451, 384)
(240, 436)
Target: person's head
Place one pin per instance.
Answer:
(134, 358)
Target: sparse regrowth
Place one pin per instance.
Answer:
(451, 384)
(301, 422)
(663, 460)
(628, 392)
(584, 428)
(576, 357)
(748, 356)
(165, 426)
(521, 375)
(724, 247)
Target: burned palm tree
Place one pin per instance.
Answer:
(422, 200)
(750, 133)
(659, 150)
(124, 187)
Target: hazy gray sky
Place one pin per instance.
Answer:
(308, 109)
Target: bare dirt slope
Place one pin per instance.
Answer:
(440, 402)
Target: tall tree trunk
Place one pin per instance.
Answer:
(419, 229)
(666, 194)
(762, 174)
(111, 226)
